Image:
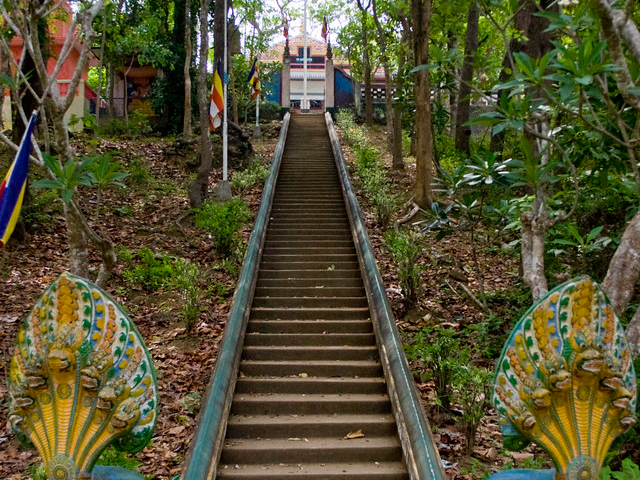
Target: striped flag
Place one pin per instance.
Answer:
(254, 79)
(325, 29)
(216, 106)
(14, 184)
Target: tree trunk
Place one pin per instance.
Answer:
(111, 88)
(624, 268)
(421, 16)
(199, 188)
(186, 126)
(234, 97)
(534, 228)
(101, 64)
(452, 43)
(535, 41)
(78, 245)
(366, 66)
(463, 133)
(388, 98)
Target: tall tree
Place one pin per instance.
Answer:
(22, 20)
(421, 18)
(386, 64)
(462, 132)
(199, 188)
(366, 61)
(186, 124)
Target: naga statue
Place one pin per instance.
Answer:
(80, 379)
(565, 381)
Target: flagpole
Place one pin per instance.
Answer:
(224, 188)
(304, 106)
(256, 130)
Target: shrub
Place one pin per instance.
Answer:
(472, 389)
(153, 271)
(160, 270)
(138, 172)
(254, 174)
(223, 220)
(441, 355)
(405, 250)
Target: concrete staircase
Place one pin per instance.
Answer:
(310, 372)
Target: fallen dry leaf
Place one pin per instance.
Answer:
(354, 434)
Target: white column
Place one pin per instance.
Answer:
(304, 105)
(224, 187)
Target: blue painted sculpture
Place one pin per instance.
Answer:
(80, 379)
(565, 380)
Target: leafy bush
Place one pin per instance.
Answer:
(405, 250)
(472, 390)
(154, 271)
(138, 172)
(270, 110)
(138, 126)
(223, 220)
(630, 471)
(440, 353)
(254, 174)
(41, 210)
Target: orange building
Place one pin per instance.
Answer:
(58, 32)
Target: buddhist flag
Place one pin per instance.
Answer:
(254, 79)
(216, 105)
(325, 30)
(14, 184)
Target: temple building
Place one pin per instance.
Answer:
(346, 91)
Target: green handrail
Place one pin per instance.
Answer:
(423, 459)
(202, 461)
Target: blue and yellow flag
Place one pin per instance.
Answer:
(14, 184)
(254, 79)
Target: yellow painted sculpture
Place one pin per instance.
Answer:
(566, 381)
(80, 379)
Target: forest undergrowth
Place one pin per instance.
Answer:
(177, 272)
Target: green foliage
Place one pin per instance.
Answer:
(441, 355)
(269, 110)
(88, 121)
(405, 250)
(116, 458)
(66, 177)
(96, 171)
(38, 471)
(584, 246)
(472, 392)
(370, 168)
(254, 174)
(630, 471)
(137, 126)
(42, 209)
(187, 282)
(223, 221)
(154, 271)
(104, 172)
(138, 172)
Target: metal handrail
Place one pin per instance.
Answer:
(202, 461)
(423, 459)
